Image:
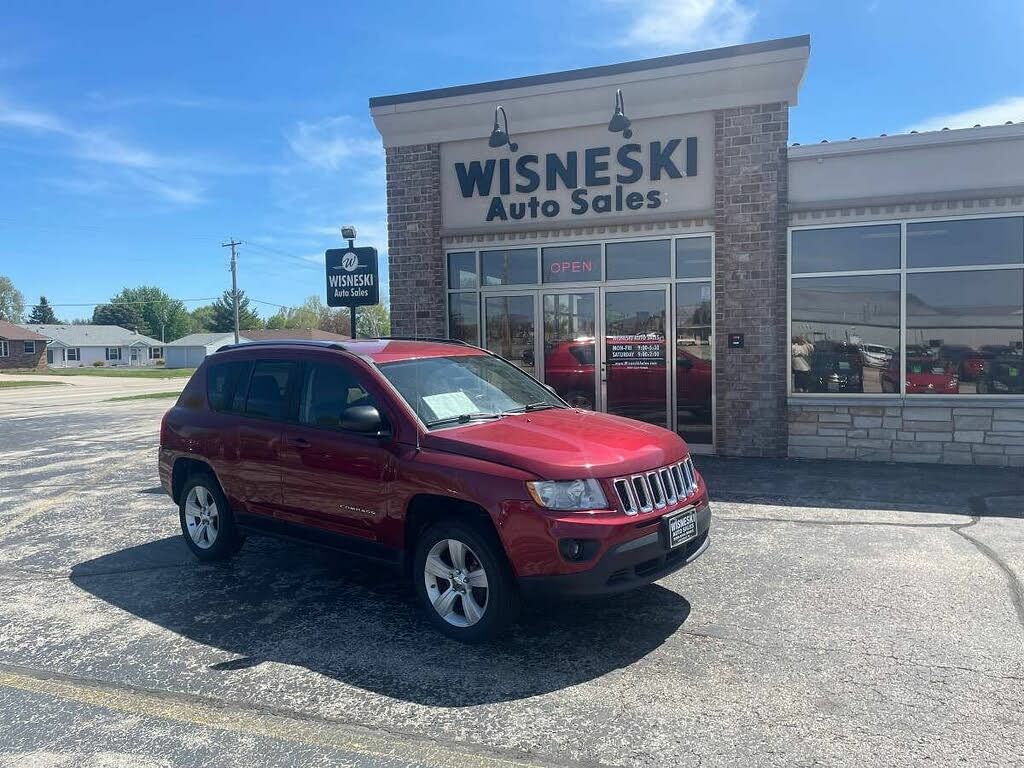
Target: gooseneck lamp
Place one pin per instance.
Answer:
(619, 122)
(500, 136)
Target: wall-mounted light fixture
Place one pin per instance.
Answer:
(500, 136)
(619, 122)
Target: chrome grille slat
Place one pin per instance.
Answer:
(656, 489)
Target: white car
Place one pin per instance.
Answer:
(877, 355)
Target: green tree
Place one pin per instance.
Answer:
(373, 321)
(125, 315)
(42, 313)
(223, 319)
(201, 319)
(166, 318)
(12, 303)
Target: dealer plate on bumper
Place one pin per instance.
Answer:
(679, 527)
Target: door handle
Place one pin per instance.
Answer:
(298, 442)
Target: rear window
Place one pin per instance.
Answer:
(225, 385)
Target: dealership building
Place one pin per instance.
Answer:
(644, 238)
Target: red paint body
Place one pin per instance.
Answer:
(362, 486)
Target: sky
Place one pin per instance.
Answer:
(135, 138)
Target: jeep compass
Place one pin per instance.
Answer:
(435, 456)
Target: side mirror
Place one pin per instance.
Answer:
(365, 419)
(551, 389)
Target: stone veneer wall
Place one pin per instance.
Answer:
(416, 261)
(948, 434)
(751, 183)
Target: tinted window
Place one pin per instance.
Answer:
(327, 392)
(268, 389)
(965, 242)
(834, 320)
(846, 249)
(509, 267)
(571, 263)
(464, 317)
(223, 381)
(693, 257)
(957, 319)
(628, 261)
(462, 270)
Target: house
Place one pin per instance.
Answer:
(20, 347)
(306, 334)
(189, 351)
(76, 346)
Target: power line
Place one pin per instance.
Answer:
(126, 303)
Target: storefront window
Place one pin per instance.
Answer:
(509, 323)
(637, 260)
(846, 249)
(965, 333)
(693, 361)
(464, 317)
(965, 243)
(572, 263)
(845, 334)
(462, 270)
(693, 257)
(509, 267)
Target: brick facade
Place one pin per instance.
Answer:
(18, 358)
(416, 261)
(750, 279)
(953, 434)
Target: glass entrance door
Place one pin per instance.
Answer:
(694, 346)
(570, 330)
(635, 373)
(510, 323)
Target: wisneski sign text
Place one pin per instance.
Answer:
(584, 172)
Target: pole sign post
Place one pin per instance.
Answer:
(352, 279)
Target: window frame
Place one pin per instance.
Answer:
(900, 397)
(25, 347)
(73, 355)
(116, 358)
(290, 412)
(5, 348)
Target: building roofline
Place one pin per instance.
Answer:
(798, 41)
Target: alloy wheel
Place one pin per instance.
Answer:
(456, 583)
(202, 517)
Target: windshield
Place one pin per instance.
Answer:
(450, 390)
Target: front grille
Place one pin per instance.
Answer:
(657, 489)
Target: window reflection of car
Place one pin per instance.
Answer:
(833, 371)
(693, 383)
(876, 355)
(925, 376)
(1003, 376)
(969, 364)
(569, 369)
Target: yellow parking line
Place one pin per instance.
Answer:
(250, 721)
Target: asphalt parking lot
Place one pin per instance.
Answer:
(845, 615)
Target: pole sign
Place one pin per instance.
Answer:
(352, 279)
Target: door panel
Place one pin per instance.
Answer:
(333, 479)
(569, 346)
(635, 345)
(693, 362)
(510, 329)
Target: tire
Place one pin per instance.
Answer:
(471, 613)
(206, 521)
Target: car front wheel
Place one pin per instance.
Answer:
(464, 581)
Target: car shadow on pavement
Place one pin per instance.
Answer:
(301, 605)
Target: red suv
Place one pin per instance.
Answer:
(435, 456)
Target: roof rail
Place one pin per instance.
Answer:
(433, 339)
(322, 343)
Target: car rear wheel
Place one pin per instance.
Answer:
(206, 521)
(464, 581)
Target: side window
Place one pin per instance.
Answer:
(268, 389)
(327, 392)
(225, 385)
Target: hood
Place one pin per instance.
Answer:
(563, 444)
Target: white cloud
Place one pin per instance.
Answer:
(686, 24)
(329, 142)
(996, 113)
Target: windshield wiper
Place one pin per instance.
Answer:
(464, 418)
(539, 406)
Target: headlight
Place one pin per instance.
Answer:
(568, 494)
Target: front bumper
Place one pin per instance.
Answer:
(626, 566)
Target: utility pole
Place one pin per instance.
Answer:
(234, 279)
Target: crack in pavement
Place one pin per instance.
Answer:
(1013, 581)
(797, 521)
